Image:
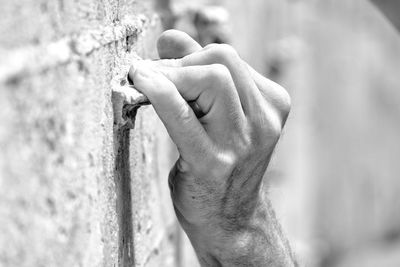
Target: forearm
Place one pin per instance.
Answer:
(391, 9)
(257, 241)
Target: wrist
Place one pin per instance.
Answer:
(254, 241)
(228, 239)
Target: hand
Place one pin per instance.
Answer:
(224, 152)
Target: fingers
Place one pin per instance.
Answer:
(176, 44)
(226, 55)
(257, 93)
(209, 91)
(179, 119)
(205, 84)
(249, 94)
(252, 87)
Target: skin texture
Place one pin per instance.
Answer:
(216, 184)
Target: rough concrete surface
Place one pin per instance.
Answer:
(75, 189)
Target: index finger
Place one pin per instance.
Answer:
(182, 125)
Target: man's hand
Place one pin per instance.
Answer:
(225, 120)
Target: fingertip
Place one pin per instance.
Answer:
(138, 71)
(151, 82)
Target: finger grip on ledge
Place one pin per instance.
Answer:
(126, 101)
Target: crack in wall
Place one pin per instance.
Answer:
(122, 176)
(124, 196)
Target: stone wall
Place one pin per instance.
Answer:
(75, 188)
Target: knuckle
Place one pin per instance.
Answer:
(184, 115)
(284, 102)
(245, 145)
(275, 108)
(218, 73)
(267, 128)
(277, 96)
(223, 53)
(273, 129)
(223, 165)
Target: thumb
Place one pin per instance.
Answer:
(176, 44)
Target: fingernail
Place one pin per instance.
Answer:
(136, 64)
(143, 71)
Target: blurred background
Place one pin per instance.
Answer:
(335, 177)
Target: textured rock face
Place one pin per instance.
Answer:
(75, 190)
